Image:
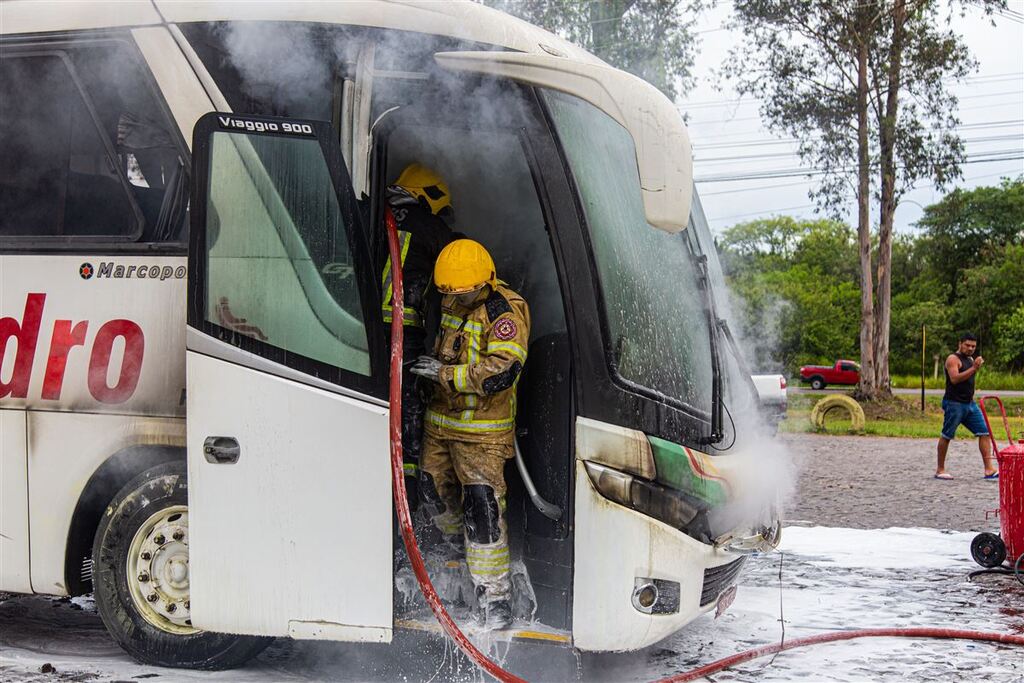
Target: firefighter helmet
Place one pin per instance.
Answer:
(464, 266)
(424, 183)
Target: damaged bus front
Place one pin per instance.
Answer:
(635, 417)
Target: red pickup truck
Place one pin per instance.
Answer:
(819, 376)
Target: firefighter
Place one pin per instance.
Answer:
(470, 421)
(418, 199)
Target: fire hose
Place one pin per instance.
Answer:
(448, 624)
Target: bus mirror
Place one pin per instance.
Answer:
(663, 155)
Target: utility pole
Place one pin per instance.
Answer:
(924, 336)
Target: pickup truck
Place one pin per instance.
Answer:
(771, 390)
(820, 376)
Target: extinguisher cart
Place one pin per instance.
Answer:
(992, 550)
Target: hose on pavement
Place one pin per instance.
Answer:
(448, 624)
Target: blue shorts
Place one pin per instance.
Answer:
(966, 414)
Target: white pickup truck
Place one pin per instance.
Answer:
(771, 389)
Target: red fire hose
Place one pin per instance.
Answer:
(738, 658)
(398, 473)
(453, 631)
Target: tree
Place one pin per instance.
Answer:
(798, 294)
(989, 290)
(908, 316)
(967, 226)
(863, 86)
(652, 39)
(1010, 332)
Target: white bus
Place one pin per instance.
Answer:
(182, 293)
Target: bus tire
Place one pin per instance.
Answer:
(144, 531)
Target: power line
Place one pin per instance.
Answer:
(804, 183)
(761, 213)
(754, 189)
(1009, 76)
(964, 126)
(987, 157)
(789, 141)
(778, 155)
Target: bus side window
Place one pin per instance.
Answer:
(85, 151)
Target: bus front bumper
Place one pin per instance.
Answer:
(637, 580)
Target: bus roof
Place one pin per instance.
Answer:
(459, 19)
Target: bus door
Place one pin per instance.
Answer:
(288, 466)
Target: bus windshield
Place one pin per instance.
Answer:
(654, 312)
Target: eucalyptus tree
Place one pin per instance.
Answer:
(864, 86)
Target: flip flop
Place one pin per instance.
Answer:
(992, 477)
(945, 476)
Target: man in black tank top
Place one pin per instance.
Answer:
(959, 408)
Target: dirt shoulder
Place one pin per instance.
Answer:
(865, 482)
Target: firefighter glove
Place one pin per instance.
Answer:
(427, 366)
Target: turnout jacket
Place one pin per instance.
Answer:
(483, 350)
(421, 237)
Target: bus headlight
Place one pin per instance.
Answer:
(672, 507)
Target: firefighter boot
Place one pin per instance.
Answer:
(487, 554)
(444, 519)
(496, 614)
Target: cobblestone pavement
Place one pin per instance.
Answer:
(864, 482)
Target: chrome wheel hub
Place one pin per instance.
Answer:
(158, 575)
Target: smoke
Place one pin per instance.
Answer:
(289, 65)
(463, 127)
(469, 129)
(765, 485)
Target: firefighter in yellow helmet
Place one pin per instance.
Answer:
(470, 425)
(418, 199)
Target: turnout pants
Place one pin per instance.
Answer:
(463, 490)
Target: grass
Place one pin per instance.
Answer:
(988, 380)
(900, 417)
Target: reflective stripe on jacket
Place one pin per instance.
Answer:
(410, 316)
(421, 237)
(483, 350)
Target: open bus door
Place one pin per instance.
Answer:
(289, 483)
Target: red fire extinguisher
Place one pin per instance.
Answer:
(991, 550)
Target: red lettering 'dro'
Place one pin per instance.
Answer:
(67, 335)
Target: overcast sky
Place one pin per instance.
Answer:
(991, 106)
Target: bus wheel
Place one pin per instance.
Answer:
(141, 577)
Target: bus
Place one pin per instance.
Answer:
(193, 368)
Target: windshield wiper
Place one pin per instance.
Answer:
(723, 325)
(717, 401)
(718, 326)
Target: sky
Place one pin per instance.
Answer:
(721, 125)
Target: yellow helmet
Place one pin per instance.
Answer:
(424, 183)
(464, 266)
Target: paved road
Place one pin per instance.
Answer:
(794, 389)
(834, 578)
(866, 482)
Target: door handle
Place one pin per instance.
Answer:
(221, 450)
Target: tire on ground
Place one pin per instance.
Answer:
(988, 550)
(158, 488)
(818, 383)
(842, 402)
